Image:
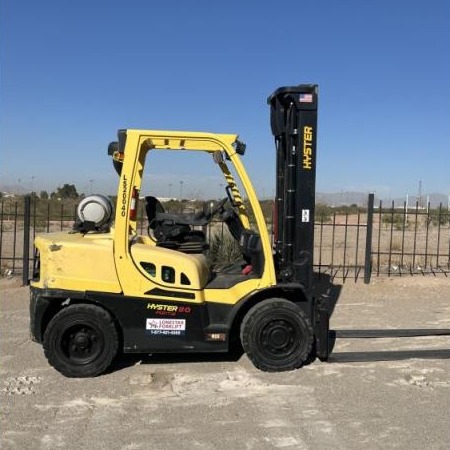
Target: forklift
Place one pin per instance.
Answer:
(104, 288)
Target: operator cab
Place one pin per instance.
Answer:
(191, 233)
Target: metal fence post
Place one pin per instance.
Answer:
(368, 255)
(26, 239)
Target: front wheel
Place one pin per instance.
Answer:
(81, 341)
(277, 335)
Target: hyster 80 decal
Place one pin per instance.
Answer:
(307, 147)
(168, 310)
(165, 327)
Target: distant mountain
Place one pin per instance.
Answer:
(330, 198)
(14, 189)
(434, 199)
(360, 199)
(343, 198)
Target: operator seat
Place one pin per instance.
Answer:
(174, 230)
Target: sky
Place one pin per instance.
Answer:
(73, 73)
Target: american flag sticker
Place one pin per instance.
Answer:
(306, 98)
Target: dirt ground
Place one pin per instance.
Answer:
(392, 391)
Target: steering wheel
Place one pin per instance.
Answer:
(217, 207)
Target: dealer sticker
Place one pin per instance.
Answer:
(165, 327)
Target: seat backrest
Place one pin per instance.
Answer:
(152, 207)
(172, 230)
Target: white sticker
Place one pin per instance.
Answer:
(305, 215)
(165, 327)
(166, 324)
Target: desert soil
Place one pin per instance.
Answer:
(388, 392)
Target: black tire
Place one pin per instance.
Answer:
(81, 341)
(277, 335)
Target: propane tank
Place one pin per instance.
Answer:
(94, 213)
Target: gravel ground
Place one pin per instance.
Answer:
(392, 391)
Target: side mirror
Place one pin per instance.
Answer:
(112, 148)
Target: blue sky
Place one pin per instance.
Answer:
(72, 73)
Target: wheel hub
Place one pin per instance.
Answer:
(278, 337)
(81, 343)
(81, 340)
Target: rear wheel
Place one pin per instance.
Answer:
(81, 341)
(277, 335)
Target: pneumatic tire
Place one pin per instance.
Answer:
(277, 335)
(81, 341)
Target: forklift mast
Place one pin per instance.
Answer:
(294, 125)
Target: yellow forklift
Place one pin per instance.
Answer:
(105, 288)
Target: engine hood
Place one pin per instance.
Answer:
(75, 261)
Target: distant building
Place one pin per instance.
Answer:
(8, 195)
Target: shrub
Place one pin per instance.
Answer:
(223, 251)
(437, 217)
(398, 220)
(323, 213)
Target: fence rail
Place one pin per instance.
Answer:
(412, 240)
(377, 240)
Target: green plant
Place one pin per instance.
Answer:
(437, 217)
(323, 213)
(66, 191)
(267, 209)
(346, 209)
(5, 226)
(223, 251)
(397, 220)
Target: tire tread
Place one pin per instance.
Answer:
(105, 322)
(254, 314)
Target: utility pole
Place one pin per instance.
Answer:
(420, 194)
(407, 205)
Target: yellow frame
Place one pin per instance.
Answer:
(131, 278)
